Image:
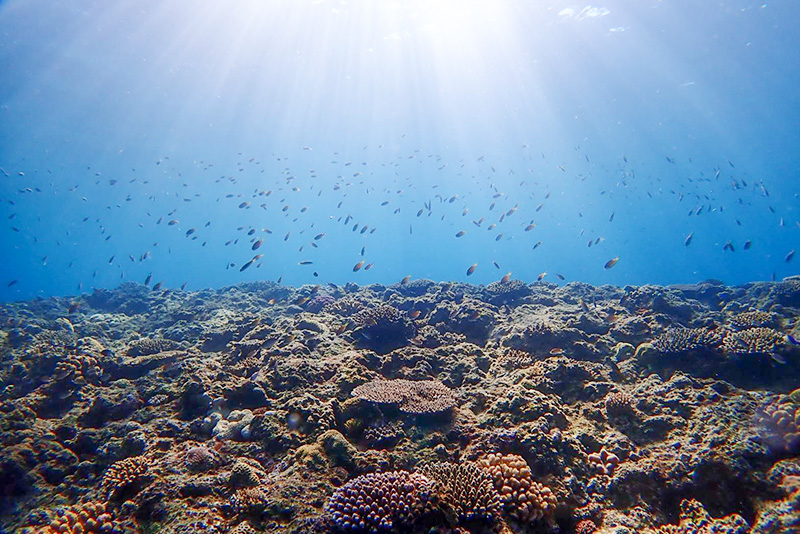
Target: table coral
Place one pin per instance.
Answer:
(419, 397)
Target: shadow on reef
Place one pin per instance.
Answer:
(415, 407)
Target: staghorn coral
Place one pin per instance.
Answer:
(780, 418)
(124, 473)
(694, 519)
(753, 319)
(83, 518)
(379, 501)
(686, 339)
(758, 340)
(146, 346)
(523, 498)
(419, 397)
(466, 491)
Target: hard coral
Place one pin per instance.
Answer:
(146, 346)
(603, 461)
(753, 319)
(523, 498)
(422, 396)
(379, 501)
(382, 328)
(250, 501)
(694, 519)
(781, 419)
(586, 526)
(618, 403)
(686, 339)
(506, 292)
(246, 473)
(81, 518)
(345, 307)
(760, 340)
(124, 473)
(466, 491)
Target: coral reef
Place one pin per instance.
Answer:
(413, 407)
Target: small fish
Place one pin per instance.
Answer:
(496, 265)
(363, 249)
(244, 205)
(541, 276)
(611, 219)
(610, 263)
(728, 246)
(537, 245)
(157, 286)
(147, 280)
(257, 244)
(73, 307)
(560, 276)
(530, 227)
(747, 245)
(368, 266)
(405, 280)
(461, 233)
(190, 231)
(688, 240)
(556, 351)
(499, 237)
(358, 266)
(789, 256)
(286, 237)
(246, 265)
(305, 262)
(319, 236)
(414, 314)
(472, 269)
(505, 279)
(540, 206)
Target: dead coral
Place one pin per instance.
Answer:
(419, 397)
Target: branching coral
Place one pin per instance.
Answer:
(523, 498)
(466, 491)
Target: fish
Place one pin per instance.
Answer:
(530, 227)
(560, 276)
(610, 263)
(257, 244)
(247, 265)
(537, 245)
(244, 205)
(286, 237)
(405, 280)
(789, 256)
(728, 246)
(319, 236)
(73, 307)
(190, 231)
(541, 276)
(505, 278)
(305, 262)
(461, 233)
(157, 286)
(747, 245)
(472, 269)
(414, 314)
(368, 266)
(499, 237)
(540, 206)
(358, 266)
(556, 351)
(148, 279)
(611, 219)
(688, 240)
(496, 265)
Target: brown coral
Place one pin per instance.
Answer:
(422, 396)
(523, 498)
(246, 473)
(124, 473)
(586, 526)
(466, 491)
(146, 346)
(250, 501)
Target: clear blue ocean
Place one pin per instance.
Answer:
(161, 141)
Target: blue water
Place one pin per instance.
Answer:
(117, 114)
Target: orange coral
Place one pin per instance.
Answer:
(82, 518)
(124, 473)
